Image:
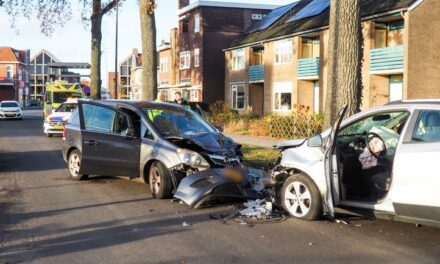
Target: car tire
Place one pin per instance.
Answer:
(159, 178)
(49, 135)
(74, 166)
(308, 204)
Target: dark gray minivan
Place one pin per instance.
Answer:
(160, 143)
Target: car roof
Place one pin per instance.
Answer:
(9, 102)
(415, 102)
(137, 103)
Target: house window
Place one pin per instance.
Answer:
(195, 95)
(196, 57)
(310, 48)
(396, 87)
(164, 64)
(9, 72)
(185, 60)
(283, 51)
(282, 96)
(237, 96)
(238, 59)
(197, 23)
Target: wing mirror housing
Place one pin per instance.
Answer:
(315, 141)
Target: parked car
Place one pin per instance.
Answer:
(159, 143)
(383, 160)
(55, 122)
(10, 110)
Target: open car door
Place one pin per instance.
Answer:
(331, 166)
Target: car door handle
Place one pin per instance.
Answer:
(91, 143)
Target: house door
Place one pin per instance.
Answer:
(256, 97)
(396, 88)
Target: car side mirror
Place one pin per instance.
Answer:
(315, 141)
(219, 128)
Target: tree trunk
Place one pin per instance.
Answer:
(345, 59)
(95, 71)
(149, 52)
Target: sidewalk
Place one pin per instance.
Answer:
(256, 141)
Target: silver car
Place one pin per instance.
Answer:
(383, 160)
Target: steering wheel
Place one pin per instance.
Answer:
(370, 137)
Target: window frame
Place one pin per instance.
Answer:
(283, 48)
(163, 65)
(281, 90)
(234, 91)
(239, 59)
(196, 57)
(9, 72)
(186, 56)
(197, 23)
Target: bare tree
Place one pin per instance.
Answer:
(345, 59)
(149, 52)
(54, 13)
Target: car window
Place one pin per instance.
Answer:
(9, 104)
(121, 124)
(66, 108)
(394, 121)
(101, 119)
(427, 127)
(74, 118)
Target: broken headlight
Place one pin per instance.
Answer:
(192, 158)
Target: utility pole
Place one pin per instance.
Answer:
(116, 51)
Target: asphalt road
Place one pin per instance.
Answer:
(47, 218)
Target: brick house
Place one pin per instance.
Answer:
(126, 66)
(14, 75)
(193, 62)
(282, 61)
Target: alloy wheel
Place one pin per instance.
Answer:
(155, 179)
(74, 164)
(298, 199)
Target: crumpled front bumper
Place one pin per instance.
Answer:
(200, 187)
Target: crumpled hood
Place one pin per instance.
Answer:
(214, 142)
(290, 144)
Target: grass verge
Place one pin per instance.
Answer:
(259, 156)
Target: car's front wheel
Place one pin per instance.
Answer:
(301, 198)
(74, 166)
(160, 181)
(49, 135)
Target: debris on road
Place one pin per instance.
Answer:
(257, 208)
(186, 224)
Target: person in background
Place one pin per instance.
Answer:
(179, 99)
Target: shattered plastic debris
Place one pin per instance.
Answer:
(186, 224)
(339, 221)
(257, 208)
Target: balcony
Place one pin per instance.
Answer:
(308, 69)
(388, 60)
(256, 73)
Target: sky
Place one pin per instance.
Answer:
(71, 43)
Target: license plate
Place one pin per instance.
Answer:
(59, 127)
(10, 115)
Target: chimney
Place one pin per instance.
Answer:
(182, 3)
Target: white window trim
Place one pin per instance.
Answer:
(196, 57)
(187, 57)
(196, 23)
(286, 88)
(234, 87)
(238, 65)
(164, 64)
(10, 69)
(280, 48)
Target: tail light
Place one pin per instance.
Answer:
(64, 133)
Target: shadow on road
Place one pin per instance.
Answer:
(30, 161)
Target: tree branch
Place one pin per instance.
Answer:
(109, 6)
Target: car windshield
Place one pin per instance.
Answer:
(177, 122)
(391, 121)
(66, 108)
(9, 104)
(60, 97)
